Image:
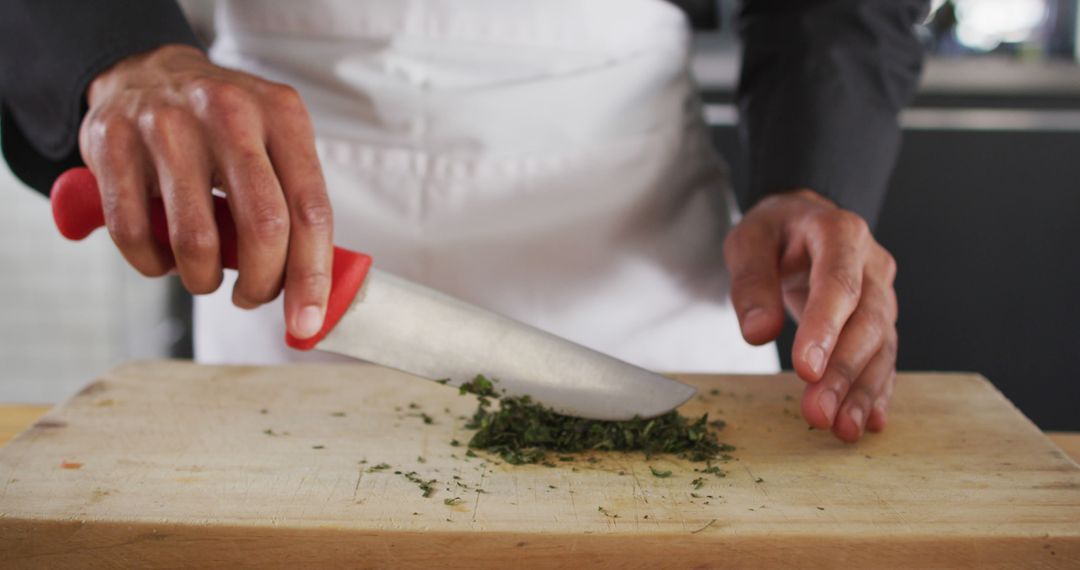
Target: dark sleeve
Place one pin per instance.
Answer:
(702, 14)
(50, 50)
(822, 84)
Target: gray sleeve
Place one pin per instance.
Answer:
(822, 84)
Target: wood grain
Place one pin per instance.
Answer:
(171, 464)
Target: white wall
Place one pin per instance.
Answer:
(68, 311)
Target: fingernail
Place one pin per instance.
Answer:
(827, 402)
(815, 357)
(754, 319)
(309, 321)
(857, 415)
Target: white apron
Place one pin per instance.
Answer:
(546, 159)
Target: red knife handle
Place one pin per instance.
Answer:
(77, 211)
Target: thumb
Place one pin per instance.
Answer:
(752, 252)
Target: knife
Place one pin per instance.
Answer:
(381, 318)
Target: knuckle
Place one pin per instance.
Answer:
(743, 237)
(111, 132)
(225, 106)
(849, 223)
(195, 245)
(890, 266)
(222, 96)
(284, 96)
(844, 370)
(848, 282)
(313, 211)
(270, 223)
(875, 324)
(749, 279)
(160, 120)
(128, 234)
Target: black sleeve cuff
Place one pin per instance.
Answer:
(50, 52)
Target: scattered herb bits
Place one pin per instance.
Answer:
(661, 474)
(454, 501)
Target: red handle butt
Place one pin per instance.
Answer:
(76, 204)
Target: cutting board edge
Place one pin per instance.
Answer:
(146, 545)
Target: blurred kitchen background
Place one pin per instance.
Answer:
(983, 216)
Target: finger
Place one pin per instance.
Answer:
(867, 390)
(116, 155)
(253, 191)
(752, 253)
(879, 414)
(870, 327)
(291, 145)
(183, 171)
(837, 245)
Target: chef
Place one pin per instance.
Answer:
(546, 159)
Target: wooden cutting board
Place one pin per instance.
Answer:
(175, 464)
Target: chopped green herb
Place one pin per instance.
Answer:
(714, 392)
(454, 501)
(414, 406)
(606, 513)
(421, 459)
(521, 431)
(660, 474)
(695, 495)
(318, 447)
(379, 467)
(759, 480)
(552, 487)
(469, 453)
(455, 442)
(427, 486)
(566, 458)
(443, 381)
(427, 419)
(713, 470)
(338, 414)
(718, 424)
(263, 411)
(698, 483)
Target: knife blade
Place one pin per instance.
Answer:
(375, 316)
